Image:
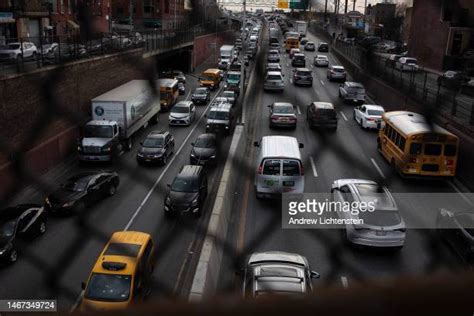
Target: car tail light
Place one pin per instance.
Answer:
(301, 170)
(413, 160)
(449, 162)
(260, 169)
(370, 119)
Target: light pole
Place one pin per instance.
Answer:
(175, 6)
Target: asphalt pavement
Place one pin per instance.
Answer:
(348, 153)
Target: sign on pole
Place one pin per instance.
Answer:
(283, 4)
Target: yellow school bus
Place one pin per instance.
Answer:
(211, 78)
(292, 42)
(168, 93)
(414, 147)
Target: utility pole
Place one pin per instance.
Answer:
(354, 7)
(345, 9)
(325, 11)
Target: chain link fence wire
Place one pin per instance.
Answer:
(51, 109)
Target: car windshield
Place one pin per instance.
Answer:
(233, 77)
(184, 185)
(180, 109)
(411, 61)
(283, 109)
(153, 142)
(207, 77)
(205, 142)
(274, 77)
(228, 94)
(358, 90)
(13, 46)
(338, 69)
(200, 91)
(76, 185)
(108, 287)
(375, 112)
(322, 58)
(303, 73)
(7, 229)
(218, 115)
(99, 131)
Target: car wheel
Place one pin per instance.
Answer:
(13, 256)
(42, 228)
(112, 189)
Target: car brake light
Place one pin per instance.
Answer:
(301, 170)
(260, 169)
(413, 160)
(370, 119)
(449, 162)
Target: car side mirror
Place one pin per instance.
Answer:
(315, 275)
(256, 144)
(83, 285)
(301, 145)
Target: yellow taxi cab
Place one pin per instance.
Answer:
(211, 78)
(122, 274)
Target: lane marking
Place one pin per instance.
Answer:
(345, 283)
(322, 82)
(464, 197)
(313, 166)
(343, 116)
(377, 167)
(298, 109)
(176, 154)
(187, 97)
(76, 303)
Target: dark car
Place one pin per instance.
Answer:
(24, 221)
(323, 47)
(201, 96)
(187, 193)
(156, 147)
(302, 76)
(81, 191)
(204, 150)
(457, 230)
(235, 66)
(321, 114)
(298, 60)
(277, 272)
(181, 88)
(453, 79)
(179, 75)
(369, 41)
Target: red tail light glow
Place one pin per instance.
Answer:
(449, 162)
(260, 169)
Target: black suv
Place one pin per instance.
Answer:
(323, 47)
(298, 60)
(156, 147)
(201, 96)
(187, 192)
(321, 114)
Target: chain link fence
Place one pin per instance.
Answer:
(52, 107)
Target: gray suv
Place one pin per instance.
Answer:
(219, 118)
(276, 272)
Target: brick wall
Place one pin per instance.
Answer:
(73, 86)
(204, 46)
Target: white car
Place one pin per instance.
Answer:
(182, 113)
(376, 225)
(368, 115)
(274, 81)
(321, 61)
(407, 64)
(18, 51)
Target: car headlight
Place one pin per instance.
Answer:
(195, 201)
(167, 200)
(213, 157)
(79, 148)
(4, 250)
(107, 149)
(69, 204)
(207, 126)
(193, 155)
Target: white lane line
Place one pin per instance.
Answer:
(377, 167)
(343, 116)
(464, 197)
(298, 109)
(313, 166)
(322, 82)
(291, 80)
(187, 97)
(345, 283)
(176, 154)
(76, 303)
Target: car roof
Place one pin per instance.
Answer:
(201, 89)
(302, 69)
(277, 256)
(282, 104)
(157, 134)
(16, 211)
(183, 103)
(87, 175)
(280, 146)
(206, 136)
(233, 72)
(412, 123)
(337, 67)
(322, 56)
(190, 171)
(374, 107)
(323, 105)
(353, 84)
(275, 73)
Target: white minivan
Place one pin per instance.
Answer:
(279, 166)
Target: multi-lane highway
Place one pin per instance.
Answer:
(351, 152)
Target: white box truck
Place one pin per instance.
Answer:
(226, 56)
(301, 27)
(116, 116)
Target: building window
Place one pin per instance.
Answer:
(148, 6)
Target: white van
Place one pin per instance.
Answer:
(279, 166)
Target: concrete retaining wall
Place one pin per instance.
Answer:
(208, 45)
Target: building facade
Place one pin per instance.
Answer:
(441, 33)
(166, 14)
(377, 16)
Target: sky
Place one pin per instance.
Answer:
(236, 4)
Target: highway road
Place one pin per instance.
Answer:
(348, 153)
(55, 265)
